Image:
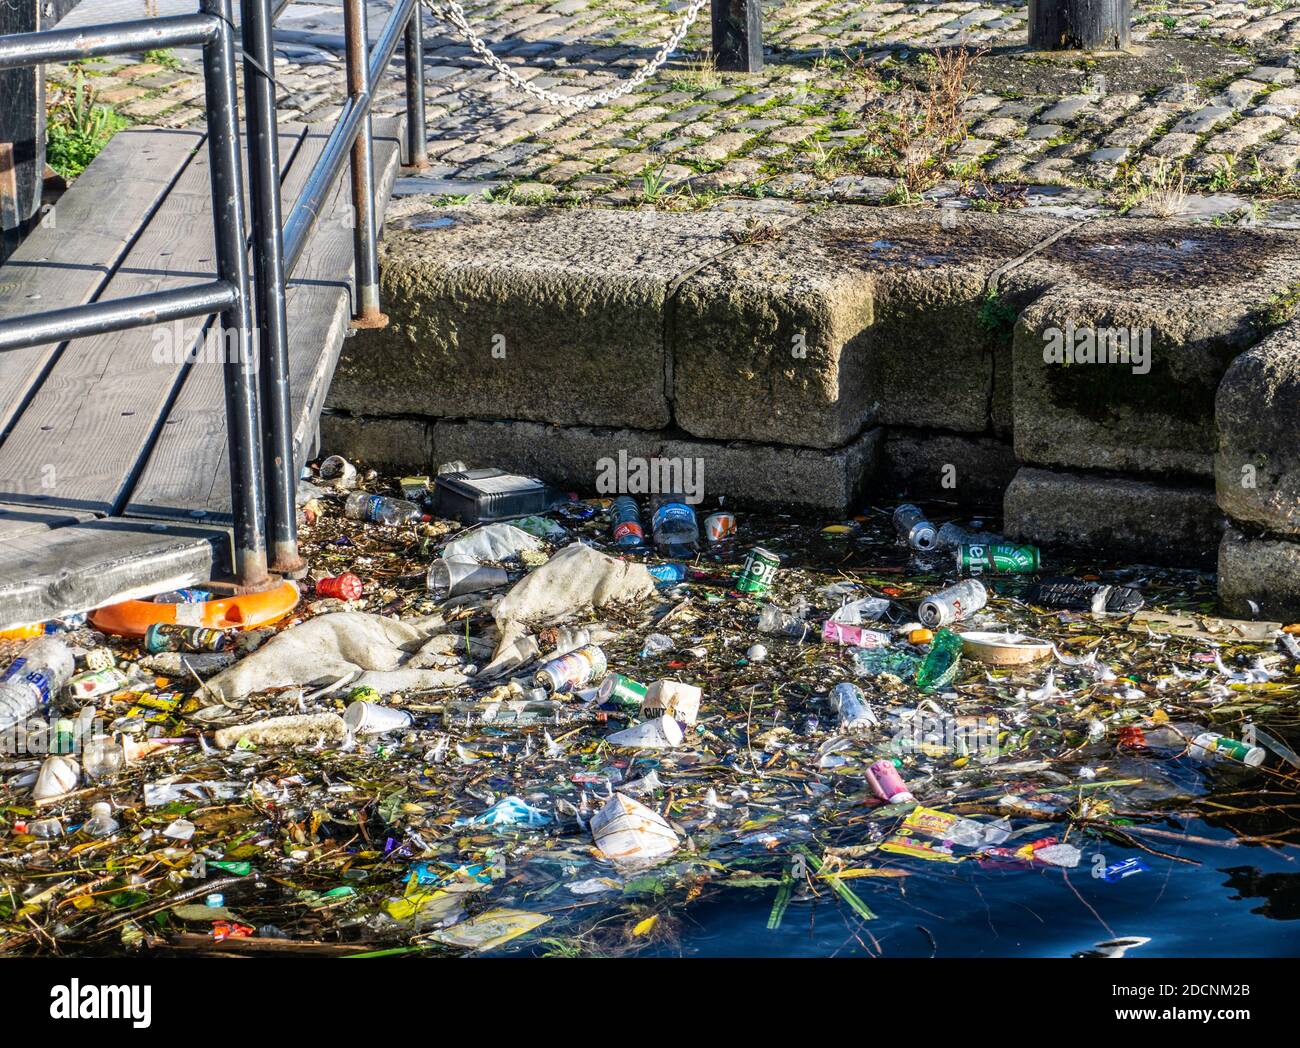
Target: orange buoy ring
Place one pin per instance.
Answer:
(248, 611)
(36, 629)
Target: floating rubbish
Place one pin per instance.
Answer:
(627, 831)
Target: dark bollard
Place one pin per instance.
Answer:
(737, 35)
(1079, 25)
(22, 131)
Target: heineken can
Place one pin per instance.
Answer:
(758, 572)
(166, 636)
(572, 671)
(997, 558)
(955, 602)
(623, 690)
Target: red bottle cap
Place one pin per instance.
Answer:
(346, 587)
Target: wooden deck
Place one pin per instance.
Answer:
(113, 473)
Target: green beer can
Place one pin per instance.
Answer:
(758, 572)
(623, 690)
(997, 558)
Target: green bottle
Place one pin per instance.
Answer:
(939, 667)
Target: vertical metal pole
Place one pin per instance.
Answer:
(364, 230)
(243, 424)
(417, 150)
(268, 276)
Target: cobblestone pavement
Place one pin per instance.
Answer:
(859, 101)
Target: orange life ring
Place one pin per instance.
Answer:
(131, 618)
(36, 629)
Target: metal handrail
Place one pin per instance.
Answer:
(281, 241)
(229, 296)
(257, 393)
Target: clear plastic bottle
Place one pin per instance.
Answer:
(102, 758)
(772, 619)
(1172, 737)
(101, 822)
(381, 509)
(45, 829)
(676, 531)
(34, 679)
(626, 520)
(851, 706)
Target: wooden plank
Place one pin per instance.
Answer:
(23, 520)
(44, 575)
(188, 470)
(68, 260)
(94, 417)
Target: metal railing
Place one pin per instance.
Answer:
(257, 393)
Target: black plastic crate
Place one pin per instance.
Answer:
(475, 496)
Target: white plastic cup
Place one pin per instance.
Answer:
(661, 733)
(367, 718)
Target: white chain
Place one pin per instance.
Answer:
(451, 11)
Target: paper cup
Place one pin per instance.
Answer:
(451, 578)
(672, 698)
(367, 718)
(662, 733)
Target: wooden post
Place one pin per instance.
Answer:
(1079, 25)
(737, 35)
(22, 131)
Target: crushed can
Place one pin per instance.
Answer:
(1211, 746)
(620, 689)
(887, 784)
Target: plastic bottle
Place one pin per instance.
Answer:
(34, 679)
(381, 509)
(676, 531)
(950, 536)
(626, 518)
(101, 822)
(45, 829)
(1173, 737)
(772, 619)
(849, 702)
(102, 758)
(941, 662)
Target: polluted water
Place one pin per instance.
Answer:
(601, 730)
